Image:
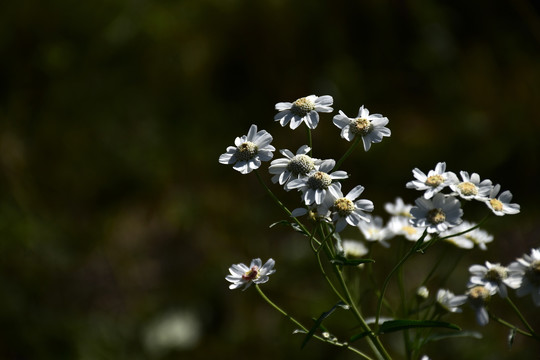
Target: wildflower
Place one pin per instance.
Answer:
(478, 297)
(292, 166)
(471, 187)
(473, 237)
(353, 248)
(241, 275)
(401, 226)
(501, 205)
(316, 185)
(450, 302)
(305, 109)
(346, 209)
(438, 214)
(249, 151)
(433, 182)
(370, 127)
(525, 274)
(493, 277)
(422, 292)
(375, 231)
(398, 208)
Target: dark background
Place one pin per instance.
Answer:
(115, 213)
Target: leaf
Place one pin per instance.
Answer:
(437, 337)
(340, 260)
(359, 336)
(397, 325)
(319, 321)
(294, 226)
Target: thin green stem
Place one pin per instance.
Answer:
(411, 251)
(310, 141)
(328, 279)
(303, 328)
(355, 143)
(507, 324)
(522, 318)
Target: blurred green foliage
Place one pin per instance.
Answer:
(115, 213)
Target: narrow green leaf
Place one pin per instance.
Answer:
(340, 260)
(437, 337)
(397, 325)
(288, 223)
(319, 321)
(359, 336)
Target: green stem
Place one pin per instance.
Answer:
(522, 318)
(310, 141)
(328, 279)
(355, 143)
(303, 328)
(412, 250)
(507, 324)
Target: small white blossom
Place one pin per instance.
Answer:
(450, 302)
(316, 185)
(375, 230)
(478, 297)
(501, 205)
(493, 277)
(433, 182)
(305, 109)
(398, 208)
(293, 166)
(401, 226)
(422, 292)
(524, 273)
(473, 237)
(346, 209)
(249, 151)
(370, 127)
(241, 275)
(471, 187)
(437, 214)
(353, 248)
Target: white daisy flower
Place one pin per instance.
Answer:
(370, 127)
(476, 236)
(401, 226)
(375, 230)
(493, 277)
(293, 166)
(422, 292)
(450, 302)
(501, 205)
(437, 214)
(249, 151)
(305, 109)
(478, 297)
(398, 208)
(241, 275)
(316, 185)
(471, 187)
(346, 209)
(353, 249)
(433, 182)
(525, 274)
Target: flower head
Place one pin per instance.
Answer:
(471, 187)
(437, 214)
(398, 208)
(316, 185)
(305, 109)
(467, 240)
(525, 274)
(375, 230)
(354, 249)
(450, 302)
(370, 127)
(346, 209)
(402, 226)
(293, 166)
(249, 151)
(478, 297)
(501, 205)
(493, 277)
(433, 182)
(241, 275)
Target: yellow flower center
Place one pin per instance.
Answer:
(496, 273)
(479, 295)
(468, 188)
(361, 126)
(496, 204)
(302, 106)
(319, 180)
(436, 216)
(434, 180)
(301, 165)
(343, 206)
(246, 151)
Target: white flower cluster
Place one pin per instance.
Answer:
(522, 275)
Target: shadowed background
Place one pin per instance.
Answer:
(118, 224)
